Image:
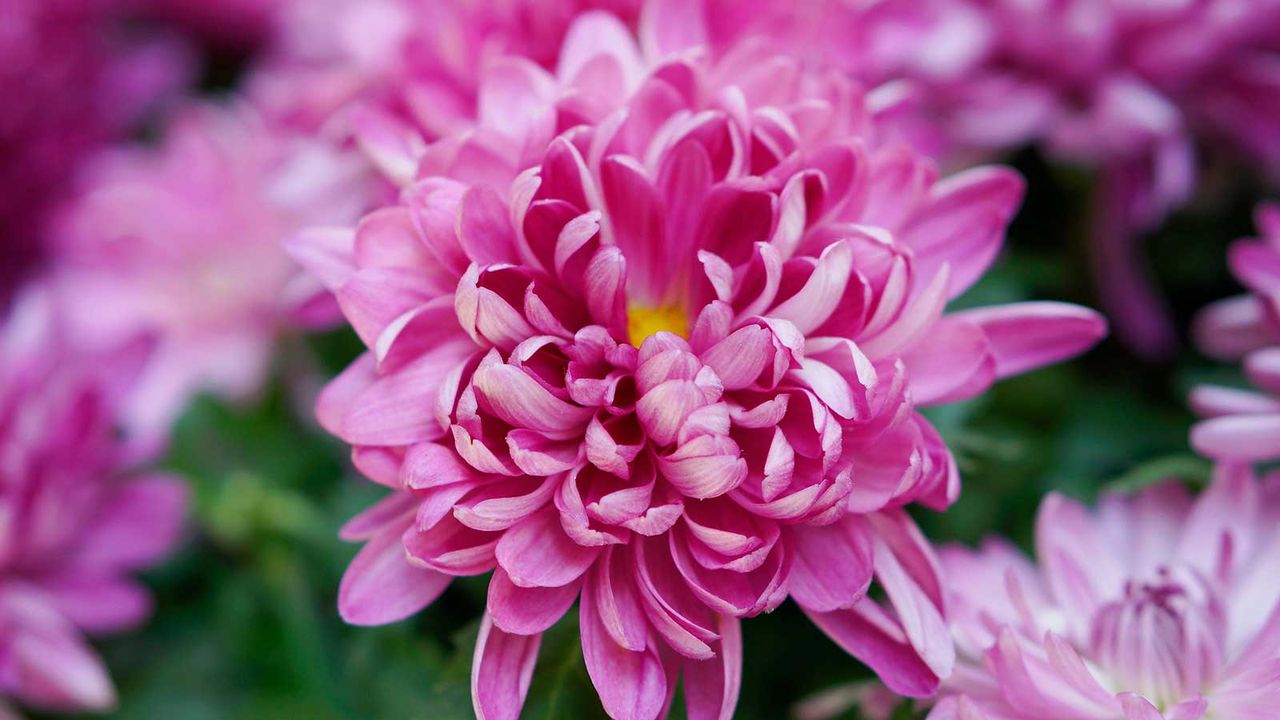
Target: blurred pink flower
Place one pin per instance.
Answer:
(1124, 87)
(418, 60)
(182, 241)
(651, 337)
(73, 79)
(1155, 606)
(74, 521)
(1243, 424)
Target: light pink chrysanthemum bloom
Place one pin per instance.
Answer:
(651, 338)
(75, 523)
(1156, 606)
(182, 241)
(1244, 424)
(73, 79)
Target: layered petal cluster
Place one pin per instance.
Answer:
(77, 523)
(73, 80)
(1155, 606)
(182, 241)
(651, 337)
(1244, 424)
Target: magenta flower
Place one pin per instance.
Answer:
(1156, 606)
(651, 338)
(73, 80)
(1243, 424)
(182, 241)
(76, 522)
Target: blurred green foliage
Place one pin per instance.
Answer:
(246, 626)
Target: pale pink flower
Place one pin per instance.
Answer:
(651, 338)
(1244, 424)
(75, 522)
(1156, 606)
(73, 79)
(182, 241)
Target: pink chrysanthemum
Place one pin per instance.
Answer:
(1243, 424)
(651, 338)
(182, 241)
(1154, 607)
(76, 523)
(73, 80)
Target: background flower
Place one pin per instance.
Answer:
(77, 522)
(1154, 606)
(182, 241)
(48, 47)
(1242, 424)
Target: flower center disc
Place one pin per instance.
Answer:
(642, 322)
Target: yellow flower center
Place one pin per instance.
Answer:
(643, 322)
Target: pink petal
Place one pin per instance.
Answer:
(632, 685)
(136, 526)
(527, 611)
(865, 632)
(1246, 438)
(832, 567)
(484, 227)
(963, 223)
(538, 553)
(821, 293)
(515, 397)
(1025, 336)
(501, 671)
(380, 586)
(711, 687)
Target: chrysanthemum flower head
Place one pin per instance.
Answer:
(1156, 606)
(77, 522)
(1245, 424)
(182, 241)
(651, 338)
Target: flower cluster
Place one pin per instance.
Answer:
(652, 337)
(77, 521)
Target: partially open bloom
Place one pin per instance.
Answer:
(651, 338)
(76, 521)
(1244, 424)
(1154, 606)
(182, 241)
(73, 79)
